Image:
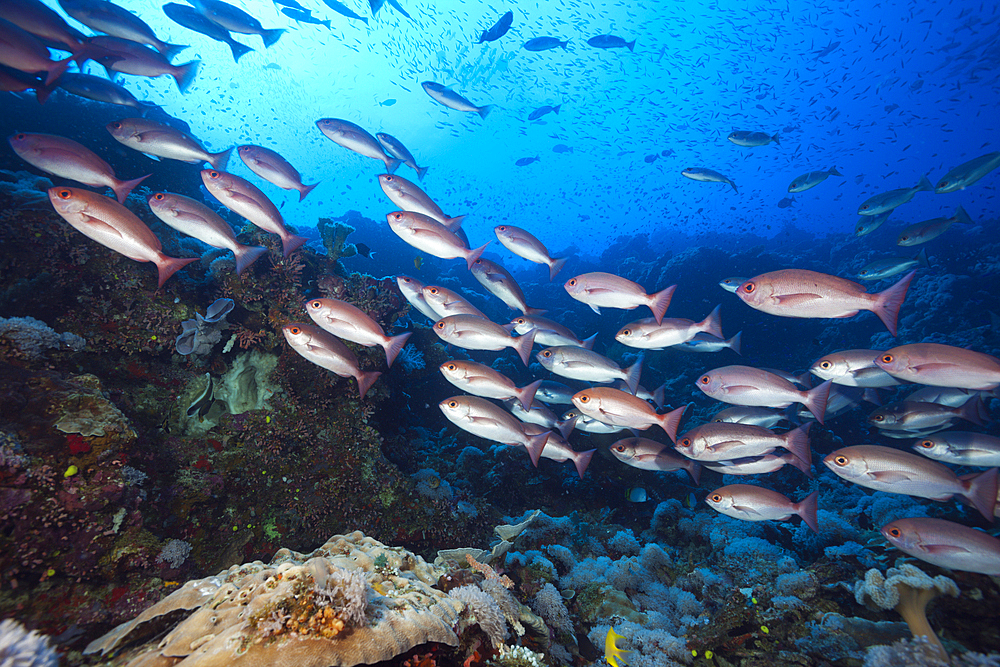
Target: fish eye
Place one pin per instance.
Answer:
(572, 282)
(584, 399)
(619, 448)
(439, 325)
(519, 320)
(826, 365)
(749, 288)
(704, 379)
(502, 228)
(451, 367)
(546, 353)
(159, 196)
(315, 304)
(926, 444)
(397, 216)
(452, 404)
(887, 358)
(214, 174)
(895, 532)
(684, 442)
(21, 136)
(841, 460)
(65, 194)
(294, 330)
(878, 418)
(904, 237)
(715, 498)
(626, 332)
(943, 184)
(116, 125)
(389, 178)
(432, 290)
(478, 261)
(864, 207)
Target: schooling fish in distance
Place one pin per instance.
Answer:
(343, 10)
(499, 29)
(811, 179)
(610, 42)
(706, 175)
(887, 201)
(752, 139)
(545, 43)
(453, 100)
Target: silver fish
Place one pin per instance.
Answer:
(412, 290)
(486, 420)
(244, 198)
(502, 285)
(720, 441)
(349, 322)
(606, 290)
(588, 424)
(760, 465)
(853, 368)
(127, 57)
(887, 201)
(152, 138)
(741, 414)
(941, 365)
(705, 342)
(21, 51)
(429, 235)
(619, 408)
(114, 226)
(895, 471)
(646, 334)
(409, 197)
(968, 173)
(646, 454)
(67, 159)
(752, 139)
(945, 544)
(325, 350)
(706, 175)
(922, 232)
(236, 20)
(549, 333)
(753, 503)
(395, 148)
(961, 448)
(869, 223)
(193, 218)
(273, 168)
(892, 266)
(913, 416)
(555, 393)
(475, 333)
(355, 138)
(445, 302)
(577, 363)
(731, 284)
(107, 17)
(557, 449)
(811, 179)
(525, 245)
(453, 100)
(482, 380)
(744, 385)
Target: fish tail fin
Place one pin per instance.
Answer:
(476, 254)
(582, 461)
(734, 187)
(220, 160)
(658, 394)
(392, 164)
(970, 412)
(365, 381)
(184, 74)
(247, 255)
(56, 70)
(797, 442)
(454, 224)
(670, 421)
(713, 323)
(888, 302)
(793, 460)
(694, 469)
(735, 342)
(326, 24)
(871, 395)
(42, 92)
(168, 266)
(523, 344)
(961, 217)
(364, 18)
(526, 394)
(393, 345)
(981, 491)
(833, 172)
(807, 509)
(146, 107)
(776, 139)
(630, 45)
(632, 374)
(660, 301)
(528, 310)
(170, 50)
(924, 184)
(588, 343)
(555, 109)
(291, 243)
(556, 266)
(421, 171)
(239, 50)
(306, 189)
(122, 188)
(485, 110)
(922, 258)
(563, 45)
(566, 427)
(271, 36)
(815, 400)
(535, 445)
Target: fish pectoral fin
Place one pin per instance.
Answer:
(797, 299)
(945, 550)
(101, 226)
(932, 366)
(723, 445)
(595, 308)
(737, 389)
(239, 197)
(746, 509)
(890, 476)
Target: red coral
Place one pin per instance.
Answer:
(77, 444)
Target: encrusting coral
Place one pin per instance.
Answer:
(907, 589)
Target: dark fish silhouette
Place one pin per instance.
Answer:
(610, 42)
(525, 161)
(545, 43)
(192, 19)
(364, 250)
(499, 28)
(303, 16)
(344, 11)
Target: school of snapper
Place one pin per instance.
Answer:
(739, 440)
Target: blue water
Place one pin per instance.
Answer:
(698, 72)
